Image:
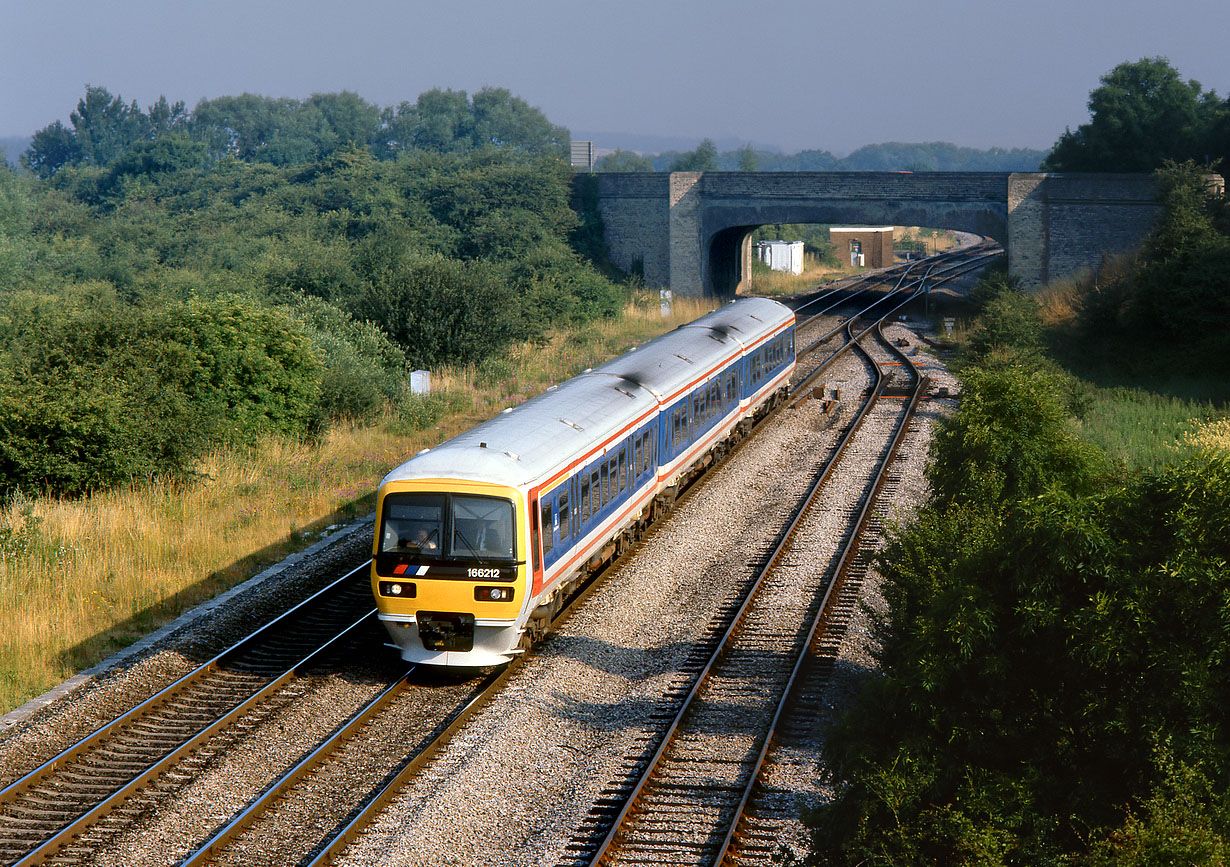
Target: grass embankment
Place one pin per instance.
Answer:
(82, 578)
(1143, 405)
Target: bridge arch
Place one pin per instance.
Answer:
(725, 228)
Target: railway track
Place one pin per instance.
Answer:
(63, 808)
(686, 803)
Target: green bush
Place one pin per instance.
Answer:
(1048, 626)
(444, 311)
(363, 370)
(1011, 439)
(93, 392)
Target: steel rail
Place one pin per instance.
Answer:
(725, 854)
(65, 834)
(332, 742)
(608, 844)
(17, 787)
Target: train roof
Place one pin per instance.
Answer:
(528, 442)
(672, 362)
(531, 442)
(746, 319)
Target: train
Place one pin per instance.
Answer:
(480, 539)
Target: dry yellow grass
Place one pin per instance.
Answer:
(774, 283)
(82, 578)
(1212, 435)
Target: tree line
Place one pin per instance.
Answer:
(253, 128)
(1142, 113)
(171, 280)
(888, 156)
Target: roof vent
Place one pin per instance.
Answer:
(684, 357)
(482, 445)
(571, 424)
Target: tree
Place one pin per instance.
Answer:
(703, 159)
(504, 120)
(747, 159)
(104, 127)
(440, 120)
(1142, 114)
(623, 161)
(350, 119)
(51, 148)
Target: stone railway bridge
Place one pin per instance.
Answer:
(690, 231)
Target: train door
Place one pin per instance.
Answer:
(575, 511)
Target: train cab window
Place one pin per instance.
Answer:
(584, 500)
(482, 527)
(548, 534)
(565, 516)
(623, 470)
(414, 524)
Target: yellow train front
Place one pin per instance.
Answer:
(478, 539)
(449, 569)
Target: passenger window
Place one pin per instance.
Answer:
(548, 533)
(565, 516)
(595, 493)
(623, 471)
(606, 486)
(584, 500)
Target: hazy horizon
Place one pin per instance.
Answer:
(801, 76)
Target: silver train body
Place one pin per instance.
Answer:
(478, 539)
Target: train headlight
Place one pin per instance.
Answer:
(403, 589)
(493, 594)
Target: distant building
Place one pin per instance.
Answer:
(863, 246)
(781, 255)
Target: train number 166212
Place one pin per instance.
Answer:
(483, 573)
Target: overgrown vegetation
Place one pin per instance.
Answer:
(1053, 674)
(178, 280)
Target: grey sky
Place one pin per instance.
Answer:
(794, 74)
